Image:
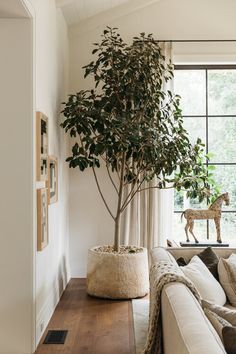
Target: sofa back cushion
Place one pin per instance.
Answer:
(227, 275)
(188, 252)
(211, 260)
(208, 287)
(222, 311)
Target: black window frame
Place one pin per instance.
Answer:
(207, 68)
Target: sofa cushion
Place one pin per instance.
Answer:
(181, 262)
(222, 311)
(208, 287)
(189, 252)
(227, 276)
(217, 322)
(211, 260)
(229, 334)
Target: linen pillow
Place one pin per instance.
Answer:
(224, 312)
(211, 260)
(208, 287)
(229, 334)
(217, 322)
(227, 275)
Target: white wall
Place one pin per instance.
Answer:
(34, 76)
(52, 271)
(167, 19)
(16, 203)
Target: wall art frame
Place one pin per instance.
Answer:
(52, 182)
(42, 218)
(41, 146)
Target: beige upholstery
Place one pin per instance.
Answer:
(160, 254)
(186, 330)
(188, 252)
(227, 271)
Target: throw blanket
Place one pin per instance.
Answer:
(162, 273)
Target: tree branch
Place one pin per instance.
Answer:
(127, 201)
(131, 191)
(119, 207)
(99, 189)
(155, 187)
(118, 212)
(117, 169)
(134, 181)
(111, 179)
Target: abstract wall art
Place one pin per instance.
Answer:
(42, 218)
(42, 146)
(52, 182)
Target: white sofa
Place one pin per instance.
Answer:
(186, 329)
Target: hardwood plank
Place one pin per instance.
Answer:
(96, 326)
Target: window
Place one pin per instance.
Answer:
(209, 109)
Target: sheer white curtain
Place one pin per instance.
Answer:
(147, 221)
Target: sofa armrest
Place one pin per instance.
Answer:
(186, 330)
(161, 254)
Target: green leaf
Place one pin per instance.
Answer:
(75, 149)
(132, 121)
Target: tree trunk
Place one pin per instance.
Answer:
(118, 212)
(117, 233)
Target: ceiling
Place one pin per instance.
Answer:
(76, 11)
(12, 9)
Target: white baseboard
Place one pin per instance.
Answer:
(46, 311)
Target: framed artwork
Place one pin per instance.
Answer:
(52, 182)
(42, 218)
(42, 146)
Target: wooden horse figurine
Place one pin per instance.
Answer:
(213, 212)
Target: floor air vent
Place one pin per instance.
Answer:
(55, 337)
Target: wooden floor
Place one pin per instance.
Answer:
(95, 326)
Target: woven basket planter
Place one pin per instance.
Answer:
(117, 276)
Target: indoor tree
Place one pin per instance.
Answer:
(132, 125)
